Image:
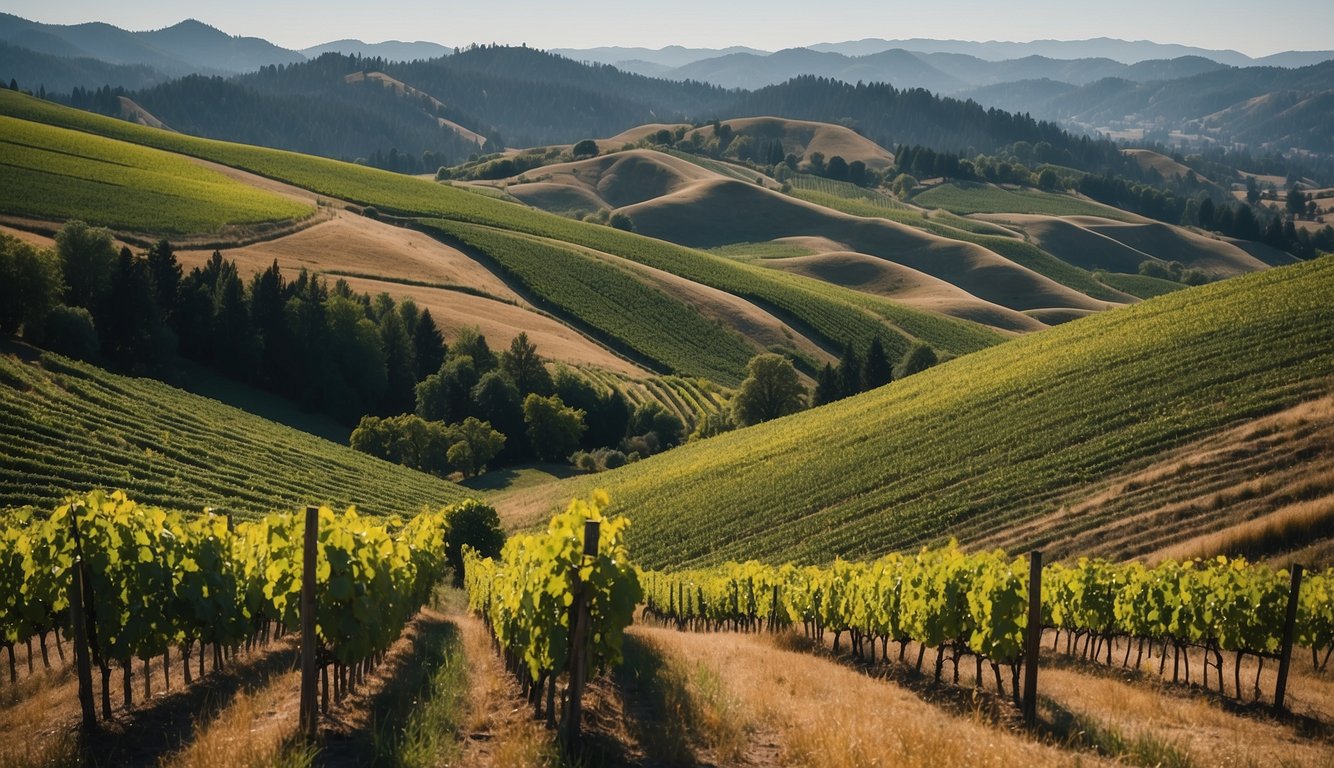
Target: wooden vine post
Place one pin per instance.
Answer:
(579, 642)
(1033, 637)
(1289, 629)
(82, 664)
(309, 713)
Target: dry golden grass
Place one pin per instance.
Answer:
(257, 729)
(720, 212)
(1236, 477)
(882, 277)
(498, 727)
(802, 138)
(819, 712)
(1191, 724)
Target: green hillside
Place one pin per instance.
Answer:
(617, 307)
(69, 427)
(991, 440)
(837, 315)
(59, 174)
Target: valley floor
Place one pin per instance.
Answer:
(442, 698)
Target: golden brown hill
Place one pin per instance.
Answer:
(1092, 242)
(607, 181)
(724, 211)
(905, 285)
(803, 138)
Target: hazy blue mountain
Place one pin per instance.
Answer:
(209, 48)
(671, 56)
(184, 48)
(61, 74)
(389, 50)
(1124, 51)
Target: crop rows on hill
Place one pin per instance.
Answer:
(55, 173)
(67, 426)
(977, 605)
(837, 315)
(989, 441)
(1143, 286)
(155, 580)
(529, 597)
(618, 307)
(689, 399)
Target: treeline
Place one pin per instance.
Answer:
(358, 122)
(370, 361)
(1225, 215)
(891, 117)
(481, 409)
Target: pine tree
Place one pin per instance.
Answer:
(827, 387)
(428, 344)
(877, 372)
(850, 372)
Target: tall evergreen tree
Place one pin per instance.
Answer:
(850, 372)
(400, 368)
(827, 386)
(877, 372)
(428, 346)
(523, 365)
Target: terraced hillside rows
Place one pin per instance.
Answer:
(59, 173)
(979, 446)
(832, 314)
(621, 310)
(70, 427)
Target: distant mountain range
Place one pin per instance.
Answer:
(1129, 89)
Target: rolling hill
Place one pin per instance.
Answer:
(827, 313)
(1118, 434)
(68, 427)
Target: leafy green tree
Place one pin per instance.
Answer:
(474, 524)
(857, 173)
(497, 402)
(919, 357)
(69, 331)
(30, 285)
(87, 255)
(1048, 179)
(472, 343)
(877, 372)
(652, 417)
(472, 445)
(771, 389)
(585, 148)
(903, 185)
(837, 168)
(623, 221)
(524, 366)
(553, 428)
(827, 386)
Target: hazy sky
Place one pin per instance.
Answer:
(1242, 25)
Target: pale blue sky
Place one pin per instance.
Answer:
(1253, 28)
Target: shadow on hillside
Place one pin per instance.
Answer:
(375, 734)
(520, 476)
(148, 733)
(638, 715)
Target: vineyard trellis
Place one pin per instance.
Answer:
(977, 605)
(137, 581)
